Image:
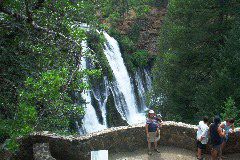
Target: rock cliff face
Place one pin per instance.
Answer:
(148, 28)
(127, 138)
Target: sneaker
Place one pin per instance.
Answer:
(157, 150)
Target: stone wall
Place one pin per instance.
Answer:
(41, 152)
(126, 138)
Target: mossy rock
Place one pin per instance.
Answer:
(96, 42)
(114, 118)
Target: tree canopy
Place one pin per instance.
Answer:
(196, 71)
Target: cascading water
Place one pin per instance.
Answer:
(141, 90)
(122, 83)
(90, 122)
(119, 100)
(121, 88)
(102, 99)
(148, 79)
(143, 83)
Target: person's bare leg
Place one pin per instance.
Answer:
(157, 132)
(221, 149)
(214, 154)
(149, 145)
(155, 147)
(149, 148)
(199, 153)
(155, 144)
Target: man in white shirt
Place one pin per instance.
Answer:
(202, 136)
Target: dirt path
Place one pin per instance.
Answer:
(167, 153)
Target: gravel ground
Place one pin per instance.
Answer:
(166, 153)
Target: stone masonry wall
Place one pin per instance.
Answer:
(41, 152)
(126, 138)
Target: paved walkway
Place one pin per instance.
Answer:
(167, 153)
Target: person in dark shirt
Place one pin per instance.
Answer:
(216, 137)
(151, 131)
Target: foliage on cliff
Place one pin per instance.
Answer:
(198, 67)
(137, 34)
(95, 41)
(132, 55)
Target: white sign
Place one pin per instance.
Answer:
(99, 155)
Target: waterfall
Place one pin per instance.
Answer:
(102, 99)
(144, 84)
(99, 155)
(90, 122)
(141, 90)
(119, 100)
(121, 87)
(148, 79)
(126, 103)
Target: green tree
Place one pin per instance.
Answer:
(192, 43)
(40, 65)
(229, 109)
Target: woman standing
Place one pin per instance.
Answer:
(216, 136)
(151, 131)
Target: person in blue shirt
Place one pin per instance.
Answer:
(152, 125)
(228, 127)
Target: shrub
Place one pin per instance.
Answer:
(229, 109)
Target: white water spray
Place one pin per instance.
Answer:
(123, 83)
(90, 120)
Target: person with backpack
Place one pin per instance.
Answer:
(202, 136)
(152, 131)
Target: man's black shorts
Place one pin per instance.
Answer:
(201, 146)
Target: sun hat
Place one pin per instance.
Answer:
(151, 111)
